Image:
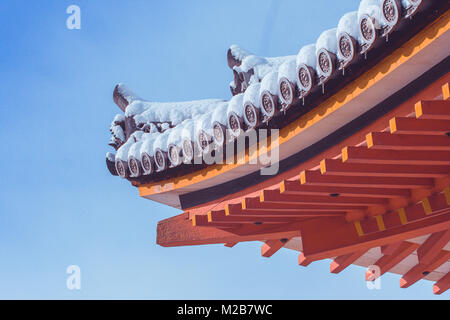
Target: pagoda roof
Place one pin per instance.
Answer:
(160, 143)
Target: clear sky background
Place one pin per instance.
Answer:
(59, 205)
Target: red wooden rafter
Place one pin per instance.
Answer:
(392, 187)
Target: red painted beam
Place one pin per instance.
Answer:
(433, 109)
(253, 205)
(303, 260)
(274, 196)
(311, 177)
(270, 247)
(387, 262)
(329, 237)
(419, 126)
(295, 188)
(230, 244)
(178, 231)
(421, 270)
(390, 248)
(342, 262)
(385, 140)
(300, 213)
(442, 285)
(433, 246)
(435, 204)
(200, 220)
(221, 217)
(337, 167)
(374, 156)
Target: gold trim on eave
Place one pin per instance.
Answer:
(426, 206)
(358, 228)
(380, 223)
(402, 216)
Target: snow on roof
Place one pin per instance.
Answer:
(161, 141)
(147, 144)
(371, 8)
(250, 62)
(349, 24)
(117, 131)
(184, 129)
(188, 129)
(307, 55)
(119, 118)
(220, 114)
(270, 83)
(135, 150)
(238, 53)
(174, 112)
(261, 66)
(236, 105)
(122, 152)
(407, 3)
(288, 70)
(327, 40)
(180, 120)
(127, 93)
(110, 156)
(252, 94)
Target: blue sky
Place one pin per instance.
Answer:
(59, 205)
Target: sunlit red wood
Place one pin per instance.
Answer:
(390, 248)
(374, 156)
(230, 244)
(421, 270)
(303, 260)
(432, 109)
(442, 285)
(328, 237)
(419, 126)
(253, 205)
(437, 203)
(179, 231)
(337, 167)
(221, 217)
(270, 247)
(433, 246)
(274, 196)
(312, 177)
(295, 188)
(385, 140)
(342, 262)
(387, 262)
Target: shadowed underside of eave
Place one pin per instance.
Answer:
(383, 202)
